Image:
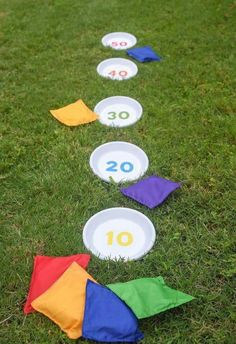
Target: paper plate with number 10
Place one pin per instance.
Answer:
(119, 233)
(119, 162)
(119, 40)
(117, 69)
(118, 111)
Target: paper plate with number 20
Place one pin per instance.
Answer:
(119, 162)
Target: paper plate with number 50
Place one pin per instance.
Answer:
(119, 40)
(119, 233)
(119, 162)
(118, 111)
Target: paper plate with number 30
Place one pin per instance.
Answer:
(117, 69)
(119, 40)
(119, 162)
(118, 111)
(119, 233)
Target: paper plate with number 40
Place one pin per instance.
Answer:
(119, 40)
(119, 233)
(118, 111)
(117, 69)
(119, 162)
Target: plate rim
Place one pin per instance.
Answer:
(102, 257)
(117, 58)
(112, 142)
(133, 100)
(119, 32)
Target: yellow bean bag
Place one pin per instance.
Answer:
(74, 114)
(64, 301)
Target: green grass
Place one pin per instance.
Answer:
(49, 53)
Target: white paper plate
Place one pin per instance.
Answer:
(119, 40)
(117, 69)
(119, 233)
(118, 111)
(119, 161)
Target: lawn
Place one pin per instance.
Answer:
(49, 53)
